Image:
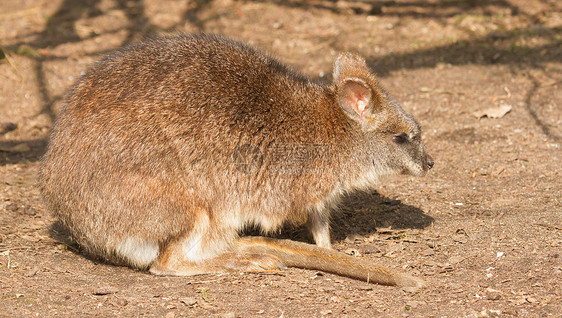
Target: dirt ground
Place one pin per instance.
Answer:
(484, 228)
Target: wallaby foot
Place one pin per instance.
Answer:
(173, 262)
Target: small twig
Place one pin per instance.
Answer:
(8, 58)
(410, 240)
(267, 272)
(203, 281)
(13, 249)
(440, 91)
(550, 84)
(447, 92)
(550, 226)
(8, 264)
(204, 294)
(504, 97)
(70, 247)
(507, 91)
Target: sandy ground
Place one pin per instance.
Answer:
(484, 228)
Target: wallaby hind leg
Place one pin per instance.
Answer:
(172, 261)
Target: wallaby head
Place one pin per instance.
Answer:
(392, 137)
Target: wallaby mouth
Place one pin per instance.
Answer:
(413, 171)
(418, 170)
(428, 163)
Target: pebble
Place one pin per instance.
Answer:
(189, 301)
(7, 127)
(32, 272)
(105, 290)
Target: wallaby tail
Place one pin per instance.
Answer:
(302, 255)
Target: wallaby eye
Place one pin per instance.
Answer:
(400, 138)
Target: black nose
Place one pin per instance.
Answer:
(429, 162)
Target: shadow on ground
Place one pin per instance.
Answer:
(419, 8)
(36, 149)
(361, 213)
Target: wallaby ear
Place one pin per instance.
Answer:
(348, 61)
(357, 89)
(355, 97)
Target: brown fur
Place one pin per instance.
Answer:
(166, 150)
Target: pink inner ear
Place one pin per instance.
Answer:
(361, 106)
(356, 97)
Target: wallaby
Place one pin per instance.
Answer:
(166, 150)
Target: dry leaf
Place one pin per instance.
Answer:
(17, 148)
(493, 112)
